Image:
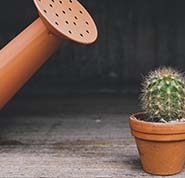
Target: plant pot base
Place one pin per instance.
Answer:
(161, 174)
(157, 159)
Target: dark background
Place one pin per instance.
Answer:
(135, 36)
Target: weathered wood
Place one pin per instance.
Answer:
(134, 37)
(77, 137)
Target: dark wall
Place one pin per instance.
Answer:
(135, 36)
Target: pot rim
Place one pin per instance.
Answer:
(154, 127)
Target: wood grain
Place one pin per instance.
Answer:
(134, 37)
(72, 137)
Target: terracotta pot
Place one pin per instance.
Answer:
(161, 145)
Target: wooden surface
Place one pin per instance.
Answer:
(71, 137)
(134, 37)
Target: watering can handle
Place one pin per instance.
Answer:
(21, 58)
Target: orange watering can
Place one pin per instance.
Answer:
(59, 20)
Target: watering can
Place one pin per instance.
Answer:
(58, 21)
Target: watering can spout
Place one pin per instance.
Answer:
(23, 56)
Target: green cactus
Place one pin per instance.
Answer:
(163, 94)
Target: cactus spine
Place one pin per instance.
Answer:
(163, 94)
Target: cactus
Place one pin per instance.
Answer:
(163, 94)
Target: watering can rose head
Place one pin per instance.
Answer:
(163, 94)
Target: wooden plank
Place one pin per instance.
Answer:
(72, 137)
